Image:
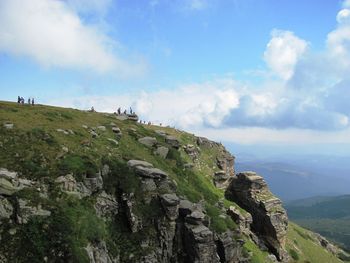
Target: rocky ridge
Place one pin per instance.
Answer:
(88, 187)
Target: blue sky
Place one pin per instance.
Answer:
(244, 71)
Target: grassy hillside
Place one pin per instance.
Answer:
(328, 216)
(47, 142)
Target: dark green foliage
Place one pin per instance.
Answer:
(78, 165)
(218, 223)
(60, 237)
(294, 254)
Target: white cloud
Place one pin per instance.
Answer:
(346, 3)
(283, 52)
(343, 16)
(52, 34)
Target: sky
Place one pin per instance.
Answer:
(238, 71)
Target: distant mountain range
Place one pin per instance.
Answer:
(297, 177)
(329, 216)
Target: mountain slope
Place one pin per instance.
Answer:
(328, 216)
(94, 187)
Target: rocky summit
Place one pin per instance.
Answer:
(80, 186)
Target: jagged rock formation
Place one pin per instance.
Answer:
(270, 221)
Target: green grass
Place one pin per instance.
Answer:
(305, 248)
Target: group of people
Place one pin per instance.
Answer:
(119, 111)
(20, 100)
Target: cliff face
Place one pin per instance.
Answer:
(89, 187)
(270, 221)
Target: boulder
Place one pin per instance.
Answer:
(185, 207)
(199, 243)
(170, 204)
(162, 151)
(161, 133)
(270, 221)
(93, 182)
(172, 141)
(135, 163)
(6, 187)
(153, 173)
(229, 249)
(148, 141)
(101, 128)
(106, 206)
(195, 218)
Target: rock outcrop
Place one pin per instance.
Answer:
(270, 221)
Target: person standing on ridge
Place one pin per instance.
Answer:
(32, 101)
(29, 101)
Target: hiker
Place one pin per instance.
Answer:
(19, 99)
(32, 101)
(125, 112)
(130, 110)
(22, 100)
(29, 100)
(119, 111)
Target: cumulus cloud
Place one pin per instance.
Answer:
(283, 52)
(51, 33)
(311, 96)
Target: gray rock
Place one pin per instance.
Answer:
(25, 211)
(195, 218)
(101, 128)
(135, 163)
(113, 141)
(106, 206)
(62, 131)
(200, 244)
(7, 187)
(148, 185)
(85, 126)
(116, 130)
(170, 203)
(154, 173)
(270, 221)
(98, 253)
(172, 141)
(4, 173)
(148, 141)
(162, 151)
(185, 207)
(192, 151)
(6, 209)
(8, 126)
(93, 134)
(93, 182)
(135, 222)
(161, 133)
